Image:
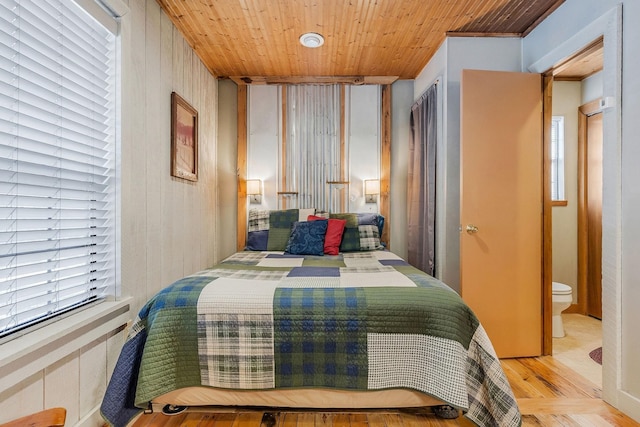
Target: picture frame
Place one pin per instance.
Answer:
(184, 139)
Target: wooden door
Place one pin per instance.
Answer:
(594, 215)
(501, 207)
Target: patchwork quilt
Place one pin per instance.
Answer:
(354, 321)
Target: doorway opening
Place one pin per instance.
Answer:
(574, 223)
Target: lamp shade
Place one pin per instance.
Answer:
(254, 186)
(371, 187)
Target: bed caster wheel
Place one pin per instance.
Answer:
(268, 419)
(173, 409)
(446, 412)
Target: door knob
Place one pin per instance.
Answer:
(471, 229)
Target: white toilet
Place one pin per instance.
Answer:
(561, 300)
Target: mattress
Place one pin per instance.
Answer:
(260, 321)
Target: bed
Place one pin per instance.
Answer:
(358, 329)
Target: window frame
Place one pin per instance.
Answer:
(557, 161)
(105, 16)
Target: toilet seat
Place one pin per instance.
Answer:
(560, 288)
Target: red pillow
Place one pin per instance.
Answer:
(333, 237)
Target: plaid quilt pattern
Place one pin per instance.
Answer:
(172, 313)
(280, 223)
(360, 321)
(487, 382)
(235, 334)
(369, 238)
(252, 274)
(370, 273)
(258, 220)
(397, 360)
(245, 258)
(320, 338)
(236, 350)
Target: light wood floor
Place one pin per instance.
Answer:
(548, 393)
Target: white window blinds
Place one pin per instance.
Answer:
(557, 158)
(57, 155)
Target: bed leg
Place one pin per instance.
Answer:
(446, 412)
(268, 419)
(149, 409)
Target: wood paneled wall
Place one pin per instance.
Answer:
(167, 224)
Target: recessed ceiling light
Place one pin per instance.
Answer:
(311, 40)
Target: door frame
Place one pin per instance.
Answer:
(547, 233)
(547, 255)
(584, 111)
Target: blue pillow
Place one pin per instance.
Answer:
(307, 238)
(257, 240)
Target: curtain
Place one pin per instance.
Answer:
(421, 195)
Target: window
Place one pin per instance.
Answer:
(557, 158)
(57, 155)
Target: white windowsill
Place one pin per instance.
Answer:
(26, 355)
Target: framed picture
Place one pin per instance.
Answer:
(184, 139)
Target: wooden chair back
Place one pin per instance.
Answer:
(54, 417)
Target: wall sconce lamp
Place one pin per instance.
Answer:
(254, 191)
(371, 190)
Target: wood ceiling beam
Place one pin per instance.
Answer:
(274, 80)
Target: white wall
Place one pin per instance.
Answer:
(227, 181)
(592, 88)
(363, 118)
(456, 54)
(401, 101)
(566, 101)
(263, 141)
(168, 225)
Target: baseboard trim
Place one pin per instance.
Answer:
(629, 404)
(573, 309)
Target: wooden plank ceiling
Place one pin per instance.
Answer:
(365, 40)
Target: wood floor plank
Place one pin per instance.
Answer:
(524, 383)
(579, 381)
(341, 420)
(542, 386)
(513, 372)
(324, 419)
(617, 418)
(173, 420)
(556, 420)
(248, 419)
(410, 420)
(561, 405)
(287, 419)
(590, 420)
(376, 420)
(306, 419)
(224, 419)
(359, 420)
(561, 379)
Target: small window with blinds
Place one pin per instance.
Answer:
(557, 158)
(57, 155)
